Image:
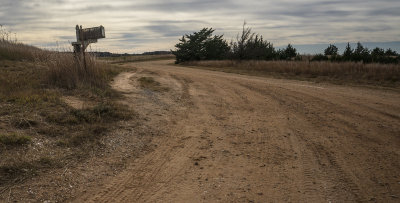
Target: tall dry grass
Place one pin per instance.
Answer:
(350, 71)
(69, 71)
(11, 49)
(64, 69)
(17, 51)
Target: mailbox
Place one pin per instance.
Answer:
(86, 36)
(92, 33)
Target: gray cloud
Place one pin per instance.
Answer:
(145, 25)
(130, 35)
(174, 28)
(185, 6)
(390, 11)
(168, 30)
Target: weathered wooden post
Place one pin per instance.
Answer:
(86, 36)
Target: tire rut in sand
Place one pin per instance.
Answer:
(324, 179)
(328, 174)
(152, 172)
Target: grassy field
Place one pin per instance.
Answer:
(137, 58)
(339, 73)
(39, 129)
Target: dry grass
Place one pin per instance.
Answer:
(32, 113)
(138, 58)
(63, 69)
(14, 139)
(12, 50)
(69, 71)
(349, 72)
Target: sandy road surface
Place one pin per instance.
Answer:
(228, 137)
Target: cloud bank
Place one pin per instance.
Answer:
(139, 26)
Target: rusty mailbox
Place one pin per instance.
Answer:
(86, 36)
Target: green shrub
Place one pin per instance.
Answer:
(201, 45)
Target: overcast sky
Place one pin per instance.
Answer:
(147, 25)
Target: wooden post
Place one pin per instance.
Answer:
(84, 56)
(83, 47)
(84, 37)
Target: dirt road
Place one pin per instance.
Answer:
(235, 138)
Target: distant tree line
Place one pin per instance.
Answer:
(359, 54)
(203, 45)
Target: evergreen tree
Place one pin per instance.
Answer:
(361, 53)
(378, 52)
(390, 52)
(251, 46)
(288, 53)
(239, 47)
(201, 46)
(391, 56)
(216, 48)
(377, 55)
(348, 53)
(332, 50)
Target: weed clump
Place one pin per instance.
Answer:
(14, 139)
(151, 84)
(101, 113)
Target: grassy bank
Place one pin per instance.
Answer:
(347, 73)
(39, 129)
